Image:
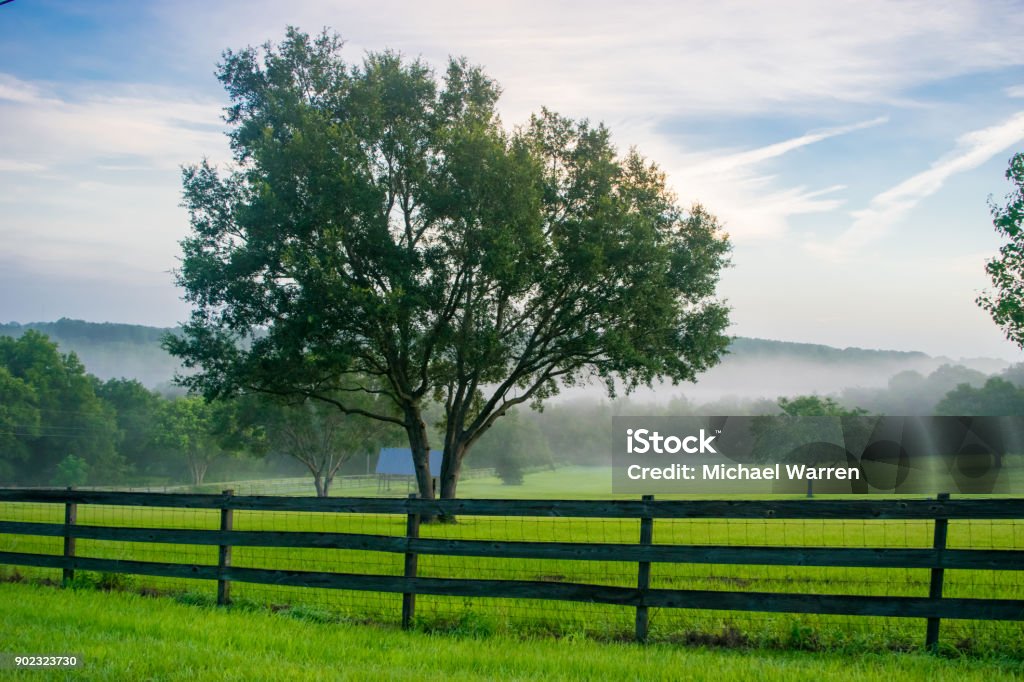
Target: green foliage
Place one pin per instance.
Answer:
(1014, 374)
(20, 423)
(319, 435)
(106, 582)
(509, 469)
(998, 397)
(53, 410)
(1006, 302)
(137, 411)
(199, 432)
(381, 222)
(108, 350)
(71, 471)
(911, 393)
(816, 406)
(793, 437)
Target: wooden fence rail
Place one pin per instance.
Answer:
(937, 558)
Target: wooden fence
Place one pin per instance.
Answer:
(643, 553)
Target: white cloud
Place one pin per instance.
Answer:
(91, 171)
(730, 163)
(1015, 91)
(15, 166)
(734, 185)
(15, 90)
(887, 208)
(640, 65)
(153, 126)
(659, 57)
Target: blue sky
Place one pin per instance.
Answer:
(849, 147)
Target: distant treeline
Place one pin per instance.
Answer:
(111, 350)
(71, 331)
(61, 425)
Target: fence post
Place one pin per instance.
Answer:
(412, 532)
(70, 519)
(224, 554)
(643, 575)
(931, 640)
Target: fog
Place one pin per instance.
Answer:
(760, 369)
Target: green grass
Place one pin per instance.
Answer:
(536, 617)
(123, 636)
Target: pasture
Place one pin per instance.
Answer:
(125, 636)
(529, 617)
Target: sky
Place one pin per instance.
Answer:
(850, 148)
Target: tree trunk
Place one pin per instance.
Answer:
(420, 447)
(197, 467)
(451, 468)
(318, 481)
(328, 479)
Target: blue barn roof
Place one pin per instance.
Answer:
(398, 462)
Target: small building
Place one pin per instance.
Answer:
(395, 464)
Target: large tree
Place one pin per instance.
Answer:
(1006, 302)
(20, 422)
(138, 412)
(381, 223)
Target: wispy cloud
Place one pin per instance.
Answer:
(15, 166)
(15, 90)
(887, 208)
(82, 125)
(1015, 91)
(731, 163)
(737, 187)
(661, 57)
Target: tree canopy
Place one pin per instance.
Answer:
(200, 432)
(998, 397)
(319, 436)
(49, 410)
(383, 233)
(1005, 303)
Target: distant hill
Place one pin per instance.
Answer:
(109, 350)
(764, 368)
(753, 367)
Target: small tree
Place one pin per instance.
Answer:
(796, 438)
(200, 432)
(509, 469)
(71, 471)
(322, 437)
(137, 411)
(1006, 303)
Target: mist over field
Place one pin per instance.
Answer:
(753, 368)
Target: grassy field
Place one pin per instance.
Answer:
(561, 619)
(121, 636)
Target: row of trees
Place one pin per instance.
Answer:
(62, 426)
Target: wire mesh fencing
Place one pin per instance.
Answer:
(800, 574)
